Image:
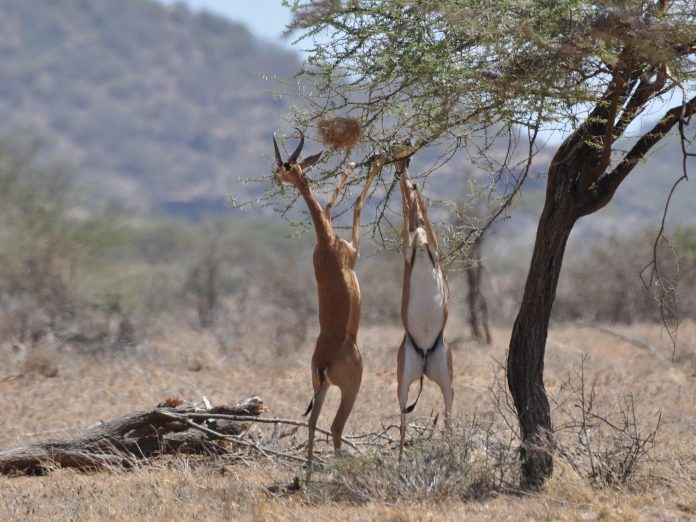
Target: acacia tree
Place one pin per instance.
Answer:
(460, 73)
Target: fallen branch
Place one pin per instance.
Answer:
(132, 438)
(247, 418)
(264, 451)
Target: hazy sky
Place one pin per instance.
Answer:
(265, 18)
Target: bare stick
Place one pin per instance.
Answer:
(238, 440)
(266, 420)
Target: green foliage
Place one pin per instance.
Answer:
(149, 263)
(447, 70)
(495, 78)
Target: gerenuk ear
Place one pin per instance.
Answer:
(310, 161)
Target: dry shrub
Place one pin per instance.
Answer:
(502, 281)
(683, 483)
(41, 359)
(471, 462)
(598, 443)
(568, 485)
(275, 307)
(608, 447)
(600, 283)
(53, 265)
(340, 132)
(196, 361)
(611, 282)
(612, 294)
(685, 355)
(283, 291)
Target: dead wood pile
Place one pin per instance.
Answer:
(170, 428)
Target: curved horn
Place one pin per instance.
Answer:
(296, 154)
(279, 158)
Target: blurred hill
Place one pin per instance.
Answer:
(154, 106)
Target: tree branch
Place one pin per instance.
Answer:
(602, 192)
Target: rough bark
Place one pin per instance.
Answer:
(525, 364)
(125, 440)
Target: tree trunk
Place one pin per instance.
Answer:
(478, 307)
(525, 364)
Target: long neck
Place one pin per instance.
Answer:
(322, 224)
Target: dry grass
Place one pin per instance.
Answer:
(444, 476)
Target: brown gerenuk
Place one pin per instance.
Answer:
(336, 358)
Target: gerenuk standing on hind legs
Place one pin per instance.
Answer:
(423, 350)
(336, 358)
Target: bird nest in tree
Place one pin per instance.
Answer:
(340, 132)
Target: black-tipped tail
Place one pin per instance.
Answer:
(410, 408)
(321, 372)
(309, 408)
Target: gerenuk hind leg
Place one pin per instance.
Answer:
(409, 369)
(346, 374)
(439, 370)
(321, 386)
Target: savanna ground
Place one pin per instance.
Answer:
(103, 316)
(189, 364)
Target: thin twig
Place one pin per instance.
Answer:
(232, 438)
(266, 420)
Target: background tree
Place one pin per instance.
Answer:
(204, 277)
(51, 253)
(466, 217)
(478, 306)
(465, 73)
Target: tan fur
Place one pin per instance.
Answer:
(336, 358)
(415, 216)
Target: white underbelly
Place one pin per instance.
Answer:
(426, 304)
